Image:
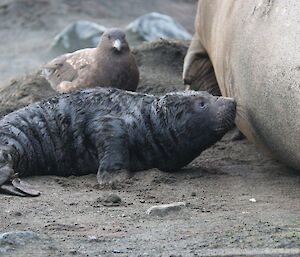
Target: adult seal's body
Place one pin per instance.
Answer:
(109, 130)
(254, 49)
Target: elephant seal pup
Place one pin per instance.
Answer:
(110, 64)
(107, 130)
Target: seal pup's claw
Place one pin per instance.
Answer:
(112, 179)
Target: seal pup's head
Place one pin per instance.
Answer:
(115, 40)
(199, 118)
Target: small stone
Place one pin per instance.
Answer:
(252, 200)
(117, 251)
(113, 198)
(165, 209)
(17, 238)
(193, 194)
(92, 238)
(108, 200)
(73, 252)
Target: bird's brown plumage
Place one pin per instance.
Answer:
(110, 64)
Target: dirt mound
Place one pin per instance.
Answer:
(160, 65)
(23, 91)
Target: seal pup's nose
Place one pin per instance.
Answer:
(227, 102)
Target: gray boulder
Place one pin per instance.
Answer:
(149, 27)
(152, 26)
(78, 35)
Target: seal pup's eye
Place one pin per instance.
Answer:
(109, 37)
(201, 104)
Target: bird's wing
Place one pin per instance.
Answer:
(68, 66)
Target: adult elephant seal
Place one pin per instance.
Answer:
(108, 130)
(254, 48)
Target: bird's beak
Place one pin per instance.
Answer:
(117, 44)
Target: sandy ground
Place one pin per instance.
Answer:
(72, 218)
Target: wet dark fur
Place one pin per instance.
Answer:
(109, 129)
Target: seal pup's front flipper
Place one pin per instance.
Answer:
(111, 141)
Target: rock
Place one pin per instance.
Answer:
(78, 35)
(108, 200)
(152, 26)
(149, 27)
(10, 240)
(252, 200)
(92, 238)
(165, 209)
(17, 237)
(112, 198)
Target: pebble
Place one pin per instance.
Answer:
(112, 198)
(10, 240)
(92, 238)
(165, 209)
(108, 200)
